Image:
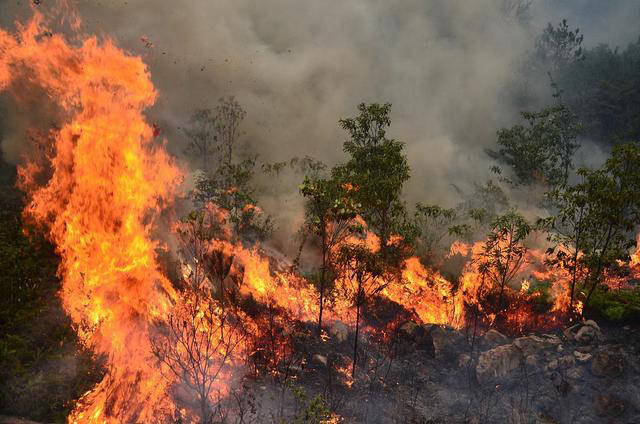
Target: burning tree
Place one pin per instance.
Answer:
(504, 252)
(361, 278)
(195, 345)
(329, 213)
(594, 228)
(202, 331)
(379, 169)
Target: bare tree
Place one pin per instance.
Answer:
(229, 115)
(361, 270)
(201, 333)
(202, 137)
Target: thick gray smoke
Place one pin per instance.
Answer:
(297, 67)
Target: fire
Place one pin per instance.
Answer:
(108, 181)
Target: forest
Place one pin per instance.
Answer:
(146, 279)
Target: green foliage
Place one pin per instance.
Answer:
(433, 224)
(541, 152)
(617, 305)
(503, 253)
(559, 46)
(228, 184)
(377, 170)
(602, 90)
(329, 213)
(311, 411)
(597, 217)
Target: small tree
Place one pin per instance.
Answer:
(377, 169)
(597, 217)
(541, 152)
(361, 274)
(229, 115)
(201, 333)
(559, 46)
(433, 224)
(202, 138)
(329, 211)
(503, 253)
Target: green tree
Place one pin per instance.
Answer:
(433, 224)
(377, 169)
(559, 46)
(597, 218)
(504, 252)
(227, 182)
(603, 91)
(542, 151)
(329, 212)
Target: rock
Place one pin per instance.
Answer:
(592, 323)
(582, 357)
(607, 404)
(569, 333)
(607, 363)
(588, 335)
(561, 385)
(560, 348)
(408, 329)
(530, 345)
(447, 343)
(566, 361)
(551, 338)
(339, 331)
(575, 373)
(494, 338)
(319, 359)
(498, 362)
(553, 364)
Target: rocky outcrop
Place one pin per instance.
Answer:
(498, 362)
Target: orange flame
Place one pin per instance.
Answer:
(108, 181)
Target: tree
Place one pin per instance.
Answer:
(201, 332)
(433, 224)
(361, 272)
(541, 152)
(329, 211)
(229, 116)
(603, 91)
(377, 169)
(224, 181)
(196, 343)
(503, 253)
(597, 217)
(202, 138)
(212, 134)
(559, 46)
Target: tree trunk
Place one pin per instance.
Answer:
(322, 277)
(355, 343)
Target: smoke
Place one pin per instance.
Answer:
(297, 67)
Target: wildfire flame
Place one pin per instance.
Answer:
(108, 180)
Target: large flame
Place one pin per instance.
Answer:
(108, 181)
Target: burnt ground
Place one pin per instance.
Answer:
(583, 374)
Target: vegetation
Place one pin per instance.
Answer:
(40, 356)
